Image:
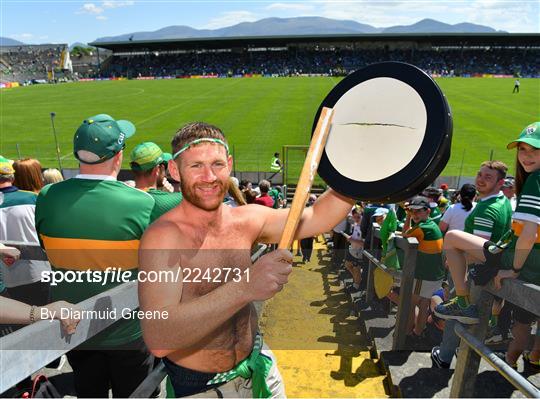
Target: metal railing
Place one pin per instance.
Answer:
(472, 348)
(406, 275)
(17, 362)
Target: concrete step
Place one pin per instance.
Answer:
(291, 189)
(410, 373)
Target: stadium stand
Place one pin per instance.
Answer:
(334, 55)
(34, 62)
(334, 63)
(439, 55)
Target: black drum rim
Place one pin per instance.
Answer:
(433, 154)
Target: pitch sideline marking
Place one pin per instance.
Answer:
(184, 103)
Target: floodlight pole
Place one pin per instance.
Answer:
(53, 114)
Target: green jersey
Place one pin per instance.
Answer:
(527, 209)
(490, 218)
(164, 202)
(429, 263)
(276, 196)
(87, 223)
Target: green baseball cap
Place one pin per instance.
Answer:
(530, 135)
(146, 156)
(6, 166)
(102, 136)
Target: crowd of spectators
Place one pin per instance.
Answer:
(438, 219)
(25, 63)
(335, 62)
(435, 218)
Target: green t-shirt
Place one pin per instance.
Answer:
(527, 209)
(90, 224)
(164, 202)
(276, 196)
(491, 217)
(429, 263)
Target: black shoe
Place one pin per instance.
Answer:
(436, 360)
(358, 295)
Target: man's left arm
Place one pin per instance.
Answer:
(329, 209)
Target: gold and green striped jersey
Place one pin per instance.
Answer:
(164, 202)
(527, 209)
(429, 264)
(88, 223)
(490, 218)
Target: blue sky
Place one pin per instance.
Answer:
(68, 21)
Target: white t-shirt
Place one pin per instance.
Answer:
(341, 226)
(455, 216)
(356, 249)
(17, 223)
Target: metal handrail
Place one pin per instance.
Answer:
(17, 362)
(406, 274)
(511, 375)
(520, 293)
(382, 266)
(151, 382)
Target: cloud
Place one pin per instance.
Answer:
(231, 18)
(98, 10)
(90, 8)
(117, 4)
(302, 7)
(509, 15)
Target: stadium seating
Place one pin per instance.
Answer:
(451, 62)
(27, 63)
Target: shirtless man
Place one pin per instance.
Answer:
(212, 326)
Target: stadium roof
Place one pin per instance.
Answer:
(440, 39)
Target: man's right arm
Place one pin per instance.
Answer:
(190, 322)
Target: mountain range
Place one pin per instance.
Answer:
(288, 27)
(297, 26)
(6, 41)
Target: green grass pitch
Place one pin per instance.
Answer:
(258, 115)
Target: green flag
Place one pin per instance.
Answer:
(388, 228)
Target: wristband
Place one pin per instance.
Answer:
(517, 271)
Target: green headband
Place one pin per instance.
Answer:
(197, 141)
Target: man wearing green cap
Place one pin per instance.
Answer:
(210, 342)
(148, 164)
(95, 222)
